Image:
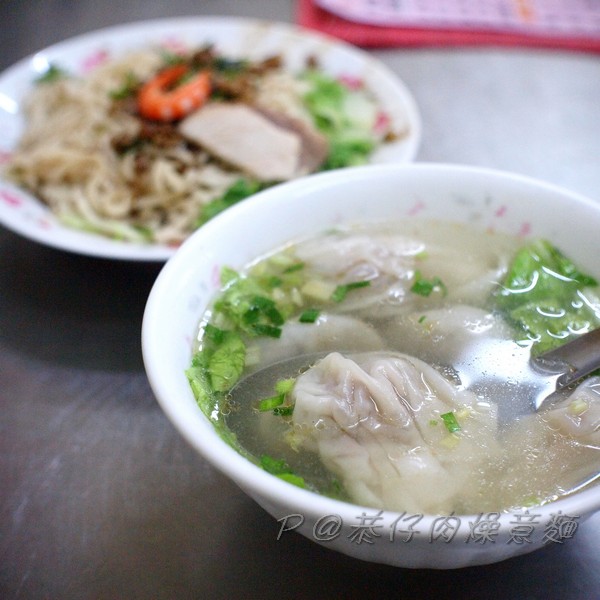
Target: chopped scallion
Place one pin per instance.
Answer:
(53, 73)
(127, 89)
(285, 386)
(318, 289)
(293, 268)
(280, 469)
(452, 425)
(275, 281)
(424, 287)
(267, 404)
(252, 315)
(267, 307)
(266, 330)
(341, 291)
(451, 441)
(284, 411)
(577, 407)
(310, 315)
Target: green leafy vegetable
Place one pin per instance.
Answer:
(424, 287)
(295, 267)
(240, 190)
(214, 334)
(251, 304)
(260, 302)
(281, 469)
(546, 296)
(539, 270)
(346, 117)
(310, 315)
(273, 465)
(341, 291)
(262, 306)
(218, 365)
(228, 275)
(266, 330)
(325, 100)
(346, 150)
(227, 362)
(213, 371)
(199, 380)
(246, 303)
(293, 479)
(284, 411)
(170, 59)
(127, 89)
(228, 66)
(53, 73)
(267, 404)
(277, 402)
(112, 228)
(285, 386)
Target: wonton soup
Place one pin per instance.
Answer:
(378, 410)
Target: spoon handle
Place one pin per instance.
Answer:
(573, 360)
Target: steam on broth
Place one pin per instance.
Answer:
(380, 412)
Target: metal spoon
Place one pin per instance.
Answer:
(520, 383)
(571, 362)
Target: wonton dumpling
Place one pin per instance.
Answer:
(326, 334)
(552, 451)
(356, 256)
(375, 422)
(578, 417)
(385, 260)
(390, 260)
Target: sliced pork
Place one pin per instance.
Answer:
(254, 142)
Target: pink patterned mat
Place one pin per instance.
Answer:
(556, 24)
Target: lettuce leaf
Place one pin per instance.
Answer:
(238, 191)
(346, 117)
(548, 297)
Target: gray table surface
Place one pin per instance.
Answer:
(99, 496)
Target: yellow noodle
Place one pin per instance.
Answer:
(65, 157)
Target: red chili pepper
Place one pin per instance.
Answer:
(158, 100)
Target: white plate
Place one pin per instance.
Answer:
(27, 216)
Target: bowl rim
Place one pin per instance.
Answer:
(250, 477)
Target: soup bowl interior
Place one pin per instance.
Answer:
(488, 199)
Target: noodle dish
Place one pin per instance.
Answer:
(149, 142)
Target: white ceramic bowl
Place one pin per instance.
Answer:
(185, 286)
